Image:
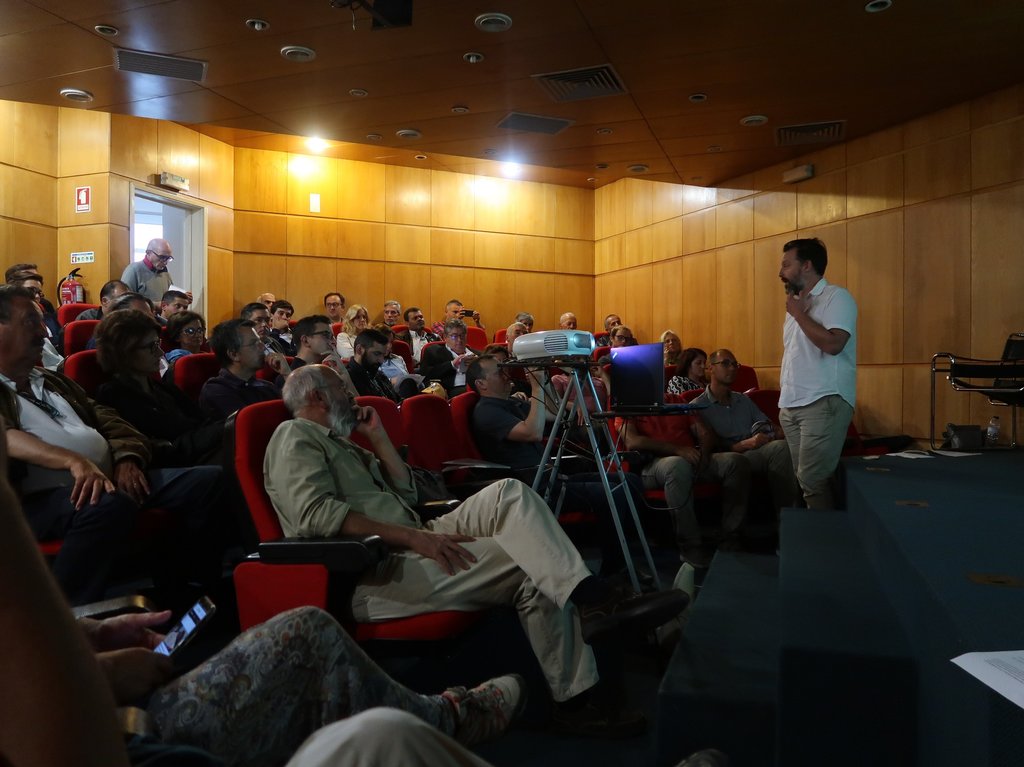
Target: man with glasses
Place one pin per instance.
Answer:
(241, 354)
(741, 429)
(150, 276)
(334, 303)
(392, 311)
(447, 364)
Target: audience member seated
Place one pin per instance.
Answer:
(357, 319)
(267, 299)
(691, 373)
(33, 282)
(610, 321)
(16, 271)
(259, 316)
(672, 461)
(364, 367)
(620, 336)
(500, 352)
(110, 290)
(673, 348)
(510, 429)
(567, 321)
(446, 363)
(526, 319)
(241, 354)
(394, 367)
(417, 336)
(281, 312)
(129, 300)
(128, 347)
(185, 334)
(453, 310)
(515, 330)
(392, 311)
(172, 302)
(82, 470)
(740, 427)
(334, 305)
(315, 344)
(502, 546)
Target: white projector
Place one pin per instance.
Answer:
(553, 344)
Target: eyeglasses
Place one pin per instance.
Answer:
(161, 256)
(727, 363)
(457, 336)
(194, 331)
(333, 305)
(152, 346)
(321, 333)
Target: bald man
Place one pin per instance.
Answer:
(567, 321)
(150, 276)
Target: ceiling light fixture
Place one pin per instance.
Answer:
(421, 157)
(493, 22)
(877, 6)
(604, 131)
(408, 133)
(359, 92)
(473, 57)
(591, 179)
(298, 53)
(76, 94)
(374, 137)
(714, 148)
(460, 109)
(601, 166)
(257, 25)
(638, 168)
(107, 30)
(698, 98)
(753, 121)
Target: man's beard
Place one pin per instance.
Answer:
(795, 287)
(343, 423)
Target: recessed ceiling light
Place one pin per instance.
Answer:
(493, 22)
(298, 53)
(374, 137)
(877, 6)
(76, 94)
(638, 168)
(315, 144)
(698, 98)
(460, 109)
(408, 133)
(591, 179)
(107, 30)
(257, 25)
(358, 92)
(604, 131)
(420, 157)
(752, 121)
(601, 166)
(473, 57)
(714, 148)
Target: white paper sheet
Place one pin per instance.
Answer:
(1002, 671)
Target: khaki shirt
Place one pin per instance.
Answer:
(314, 479)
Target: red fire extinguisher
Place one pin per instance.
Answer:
(71, 289)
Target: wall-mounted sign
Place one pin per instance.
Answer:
(83, 257)
(83, 199)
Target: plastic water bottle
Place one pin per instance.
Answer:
(992, 432)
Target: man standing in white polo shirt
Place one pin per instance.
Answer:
(819, 368)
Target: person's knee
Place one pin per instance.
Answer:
(733, 467)
(115, 512)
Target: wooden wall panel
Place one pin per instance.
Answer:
(260, 232)
(997, 269)
(821, 200)
(951, 406)
(735, 189)
(312, 236)
(667, 298)
(29, 137)
(254, 274)
(879, 407)
(638, 313)
(698, 198)
(495, 299)
(875, 278)
(699, 279)
(133, 147)
(534, 254)
(639, 203)
(447, 283)
(36, 242)
(362, 282)
(452, 200)
(76, 239)
(220, 291)
(609, 298)
(699, 231)
(407, 243)
(261, 180)
(536, 294)
(637, 247)
(361, 190)
(28, 196)
(574, 257)
(178, 153)
(120, 250)
(409, 284)
(362, 240)
(937, 279)
(875, 145)
(306, 281)
(874, 186)
(534, 210)
(769, 302)
(494, 251)
(575, 294)
(452, 247)
(119, 199)
(734, 222)
(668, 201)
(66, 199)
(997, 154)
(937, 170)
(407, 195)
(495, 204)
(220, 227)
(937, 126)
(308, 176)
(775, 212)
(574, 213)
(667, 239)
(734, 301)
(84, 141)
(217, 171)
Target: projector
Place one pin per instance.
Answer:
(553, 344)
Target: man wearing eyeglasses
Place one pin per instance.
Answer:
(150, 276)
(447, 364)
(740, 428)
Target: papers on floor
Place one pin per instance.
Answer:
(930, 454)
(1002, 671)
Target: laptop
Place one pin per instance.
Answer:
(638, 381)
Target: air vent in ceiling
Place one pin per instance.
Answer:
(810, 133)
(581, 84)
(157, 64)
(534, 123)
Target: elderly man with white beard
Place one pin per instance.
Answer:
(502, 546)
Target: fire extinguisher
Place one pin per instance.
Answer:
(71, 289)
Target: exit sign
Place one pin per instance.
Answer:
(83, 257)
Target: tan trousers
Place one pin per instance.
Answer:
(816, 434)
(524, 559)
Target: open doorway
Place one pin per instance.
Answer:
(183, 225)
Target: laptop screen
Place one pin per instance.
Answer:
(638, 376)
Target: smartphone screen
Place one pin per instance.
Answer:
(186, 628)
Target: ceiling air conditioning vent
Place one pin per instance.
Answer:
(810, 133)
(159, 65)
(534, 123)
(581, 84)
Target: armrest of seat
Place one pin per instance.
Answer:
(342, 555)
(108, 608)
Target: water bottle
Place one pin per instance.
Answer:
(992, 432)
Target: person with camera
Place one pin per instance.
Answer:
(456, 310)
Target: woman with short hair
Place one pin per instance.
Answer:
(357, 319)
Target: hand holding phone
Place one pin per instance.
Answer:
(182, 632)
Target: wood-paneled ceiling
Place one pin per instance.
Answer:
(794, 61)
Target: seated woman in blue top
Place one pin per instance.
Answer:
(185, 334)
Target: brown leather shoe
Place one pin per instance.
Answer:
(624, 610)
(598, 721)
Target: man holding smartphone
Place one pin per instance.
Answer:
(455, 310)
